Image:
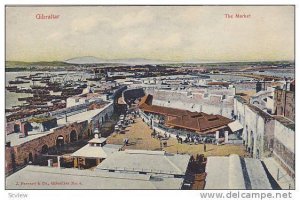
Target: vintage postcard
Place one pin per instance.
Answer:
(149, 97)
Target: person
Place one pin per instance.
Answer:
(204, 147)
(125, 141)
(192, 159)
(165, 143)
(180, 140)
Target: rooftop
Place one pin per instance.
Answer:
(261, 113)
(196, 121)
(16, 140)
(234, 172)
(158, 162)
(262, 92)
(225, 84)
(89, 151)
(31, 177)
(241, 99)
(78, 117)
(40, 119)
(285, 121)
(86, 96)
(98, 140)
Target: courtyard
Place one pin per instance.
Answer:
(139, 137)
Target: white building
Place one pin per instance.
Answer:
(234, 172)
(209, 100)
(264, 100)
(268, 137)
(85, 98)
(258, 127)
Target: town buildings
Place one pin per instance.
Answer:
(196, 110)
(268, 135)
(27, 144)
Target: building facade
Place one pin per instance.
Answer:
(285, 103)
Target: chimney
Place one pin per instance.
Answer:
(24, 129)
(258, 86)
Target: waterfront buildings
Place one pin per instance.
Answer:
(196, 110)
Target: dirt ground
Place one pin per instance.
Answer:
(139, 135)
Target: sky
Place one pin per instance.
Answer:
(171, 33)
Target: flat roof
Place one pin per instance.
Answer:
(285, 121)
(235, 126)
(39, 177)
(15, 140)
(86, 115)
(261, 113)
(146, 161)
(89, 151)
(240, 99)
(78, 117)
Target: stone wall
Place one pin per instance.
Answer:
(285, 103)
(8, 159)
(285, 158)
(284, 146)
(9, 127)
(83, 129)
(99, 119)
(22, 151)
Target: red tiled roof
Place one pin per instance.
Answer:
(147, 99)
(219, 83)
(200, 122)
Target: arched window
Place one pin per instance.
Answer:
(73, 136)
(60, 141)
(30, 157)
(44, 149)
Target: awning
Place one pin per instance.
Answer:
(235, 126)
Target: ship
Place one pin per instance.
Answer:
(18, 82)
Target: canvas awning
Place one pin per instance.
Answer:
(235, 126)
